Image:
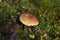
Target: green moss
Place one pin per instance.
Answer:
(47, 12)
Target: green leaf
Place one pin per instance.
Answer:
(32, 36)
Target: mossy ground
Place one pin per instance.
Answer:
(46, 11)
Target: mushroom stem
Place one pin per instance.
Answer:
(32, 27)
(28, 10)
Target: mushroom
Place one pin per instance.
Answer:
(28, 19)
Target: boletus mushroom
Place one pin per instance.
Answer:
(28, 19)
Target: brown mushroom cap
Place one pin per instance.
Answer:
(28, 19)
